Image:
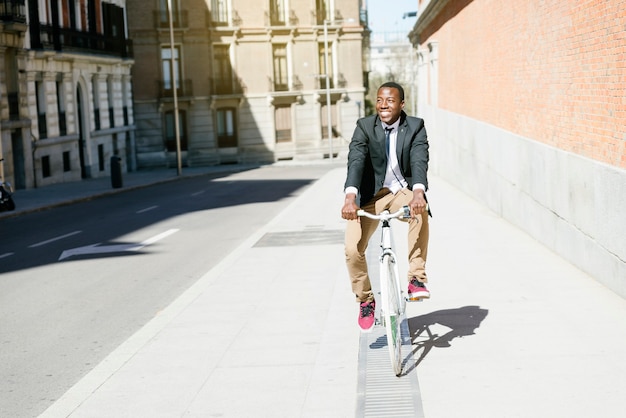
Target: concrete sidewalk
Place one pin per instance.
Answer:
(511, 330)
(516, 330)
(290, 350)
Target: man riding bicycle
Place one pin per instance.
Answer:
(387, 169)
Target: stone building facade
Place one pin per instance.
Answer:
(13, 128)
(524, 102)
(66, 101)
(249, 83)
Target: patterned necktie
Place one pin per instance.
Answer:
(387, 141)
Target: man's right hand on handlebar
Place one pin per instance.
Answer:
(350, 207)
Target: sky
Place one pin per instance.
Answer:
(386, 15)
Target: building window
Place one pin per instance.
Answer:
(45, 166)
(333, 115)
(322, 8)
(11, 81)
(282, 118)
(101, 157)
(110, 99)
(44, 11)
(219, 12)
(166, 62)
(61, 108)
(226, 128)
(164, 15)
(96, 102)
(322, 67)
(277, 13)
(223, 83)
(170, 130)
(66, 161)
(279, 52)
(125, 100)
(41, 110)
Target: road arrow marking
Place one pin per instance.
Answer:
(117, 248)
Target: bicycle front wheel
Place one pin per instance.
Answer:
(393, 313)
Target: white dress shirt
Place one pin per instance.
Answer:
(394, 180)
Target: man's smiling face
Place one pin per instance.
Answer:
(389, 105)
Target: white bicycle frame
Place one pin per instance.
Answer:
(388, 256)
(388, 259)
(390, 317)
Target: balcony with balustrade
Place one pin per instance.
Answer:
(49, 37)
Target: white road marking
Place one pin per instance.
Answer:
(117, 248)
(146, 209)
(39, 244)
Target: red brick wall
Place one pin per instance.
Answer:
(551, 70)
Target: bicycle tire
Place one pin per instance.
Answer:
(393, 314)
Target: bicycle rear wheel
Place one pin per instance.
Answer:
(393, 313)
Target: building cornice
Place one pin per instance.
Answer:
(425, 17)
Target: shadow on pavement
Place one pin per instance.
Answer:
(439, 328)
(100, 222)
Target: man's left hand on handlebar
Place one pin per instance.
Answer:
(418, 204)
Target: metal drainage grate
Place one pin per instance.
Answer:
(380, 393)
(308, 237)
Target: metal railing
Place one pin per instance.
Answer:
(65, 39)
(185, 89)
(283, 85)
(219, 18)
(226, 86)
(13, 11)
(179, 19)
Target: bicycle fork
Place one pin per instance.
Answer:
(388, 276)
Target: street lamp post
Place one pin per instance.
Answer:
(173, 81)
(327, 69)
(328, 109)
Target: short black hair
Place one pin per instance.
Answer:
(393, 85)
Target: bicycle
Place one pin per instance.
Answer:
(391, 293)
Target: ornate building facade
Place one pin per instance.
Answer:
(248, 78)
(66, 101)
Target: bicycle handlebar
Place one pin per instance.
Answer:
(403, 212)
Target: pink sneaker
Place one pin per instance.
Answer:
(417, 290)
(366, 316)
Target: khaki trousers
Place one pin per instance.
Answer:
(359, 232)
